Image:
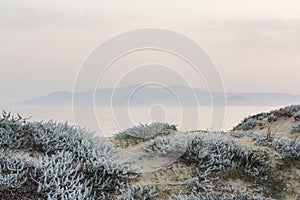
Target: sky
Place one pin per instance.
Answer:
(255, 44)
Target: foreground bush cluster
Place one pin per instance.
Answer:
(50, 160)
(272, 116)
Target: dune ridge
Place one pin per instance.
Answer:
(258, 159)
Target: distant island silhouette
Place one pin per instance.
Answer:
(172, 96)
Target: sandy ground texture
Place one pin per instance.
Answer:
(169, 173)
(258, 159)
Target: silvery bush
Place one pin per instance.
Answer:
(63, 162)
(144, 131)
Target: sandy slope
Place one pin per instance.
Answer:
(168, 173)
(259, 159)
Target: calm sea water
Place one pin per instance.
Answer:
(107, 121)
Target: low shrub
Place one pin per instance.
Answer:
(144, 131)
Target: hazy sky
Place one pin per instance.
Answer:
(255, 44)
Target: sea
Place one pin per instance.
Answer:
(106, 121)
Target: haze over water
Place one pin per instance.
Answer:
(109, 124)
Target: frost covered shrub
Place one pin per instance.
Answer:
(213, 154)
(167, 146)
(58, 177)
(15, 180)
(50, 138)
(285, 146)
(144, 131)
(260, 139)
(287, 111)
(219, 196)
(239, 134)
(65, 162)
(213, 157)
(15, 132)
(248, 123)
(47, 137)
(297, 116)
(296, 127)
(146, 192)
(272, 116)
(253, 135)
(63, 176)
(12, 171)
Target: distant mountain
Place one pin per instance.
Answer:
(234, 100)
(55, 98)
(172, 96)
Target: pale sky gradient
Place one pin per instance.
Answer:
(255, 44)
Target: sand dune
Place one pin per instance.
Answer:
(259, 159)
